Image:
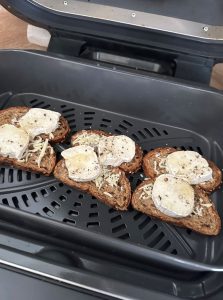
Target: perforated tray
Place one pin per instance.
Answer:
(47, 197)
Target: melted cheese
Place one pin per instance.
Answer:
(173, 196)
(39, 121)
(87, 139)
(107, 177)
(115, 150)
(82, 163)
(189, 165)
(13, 141)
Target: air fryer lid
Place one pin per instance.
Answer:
(197, 26)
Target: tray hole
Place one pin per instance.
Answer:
(165, 132)
(25, 200)
(191, 148)
(69, 116)
(68, 221)
(2, 175)
(63, 105)
(35, 196)
(174, 251)
(199, 150)
(89, 113)
(38, 104)
(165, 246)
(55, 204)
(87, 124)
(44, 193)
(137, 216)
(122, 127)
(135, 137)
(28, 175)
(46, 106)
(144, 223)
(116, 218)
(125, 236)
(73, 213)
(93, 215)
(63, 198)
(37, 175)
(118, 228)
(67, 110)
(188, 231)
(53, 188)
(19, 175)
(156, 240)
(68, 192)
(103, 125)
(94, 205)
(33, 101)
(127, 123)
(118, 131)
(183, 148)
(93, 224)
(47, 211)
(88, 118)
(15, 202)
(71, 121)
(80, 196)
(106, 120)
(141, 134)
(10, 175)
(150, 231)
(156, 131)
(148, 132)
(76, 204)
(111, 210)
(5, 201)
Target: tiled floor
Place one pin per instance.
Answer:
(13, 35)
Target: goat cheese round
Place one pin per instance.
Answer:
(82, 163)
(173, 196)
(115, 150)
(13, 141)
(40, 121)
(189, 165)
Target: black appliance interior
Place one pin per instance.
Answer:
(61, 234)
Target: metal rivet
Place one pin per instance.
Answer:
(65, 3)
(205, 28)
(133, 15)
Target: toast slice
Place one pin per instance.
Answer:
(12, 114)
(112, 188)
(154, 165)
(34, 160)
(204, 219)
(82, 137)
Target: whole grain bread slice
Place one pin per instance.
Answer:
(129, 168)
(154, 166)
(112, 188)
(204, 219)
(30, 164)
(12, 114)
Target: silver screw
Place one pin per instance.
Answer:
(65, 3)
(133, 15)
(205, 28)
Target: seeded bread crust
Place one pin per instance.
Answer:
(121, 193)
(59, 135)
(47, 165)
(152, 166)
(130, 167)
(208, 224)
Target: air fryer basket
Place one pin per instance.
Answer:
(154, 112)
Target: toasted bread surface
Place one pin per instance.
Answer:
(130, 167)
(117, 196)
(153, 166)
(207, 222)
(12, 114)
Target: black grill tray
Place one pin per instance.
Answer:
(80, 216)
